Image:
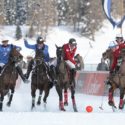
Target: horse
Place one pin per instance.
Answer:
(39, 79)
(117, 80)
(64, 81)
(9, 76)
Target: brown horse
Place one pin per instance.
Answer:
(117, 80)
(40, 79)
(64, 81)
(9, 76)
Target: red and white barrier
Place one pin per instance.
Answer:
(91, 82)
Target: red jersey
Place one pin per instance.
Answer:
(68, 53)
(116, 54)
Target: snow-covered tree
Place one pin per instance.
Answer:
(9, 6)
(21, 11)
(62, 9)
(18, 32)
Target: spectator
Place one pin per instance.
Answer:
(102, 66)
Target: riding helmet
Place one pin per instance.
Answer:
(5, 40)
(119, 36)
(40, 39)
(72, 41)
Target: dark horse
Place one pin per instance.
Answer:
(40, 79)
(9, 76)
(64, 81)
(116, 80)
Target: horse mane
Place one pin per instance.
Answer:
(14, 55)
(60, 60)
(39, 62)
(39, 54)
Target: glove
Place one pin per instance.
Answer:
(19, 49)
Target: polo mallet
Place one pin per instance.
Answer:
(90, 47)
(102, 100)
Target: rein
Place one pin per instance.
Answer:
(3, 69)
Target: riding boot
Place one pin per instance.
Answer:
(19, 70)
(29, 69)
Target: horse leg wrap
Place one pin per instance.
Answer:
(73, 101)
(65, 98)
(61, 106)
(121, 104)
(1, 105)
(74, 105)
(110, 98)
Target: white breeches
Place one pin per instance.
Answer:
(70, 64)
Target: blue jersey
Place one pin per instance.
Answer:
(35, 46)
(5, 52)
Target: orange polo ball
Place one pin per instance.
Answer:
(89, 108)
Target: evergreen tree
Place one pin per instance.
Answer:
(18, 32)
(31, 32)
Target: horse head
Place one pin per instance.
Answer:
(60, 60)
(39, 56)
(15, 55)
(59, 52)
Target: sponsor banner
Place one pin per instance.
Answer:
(91, 82)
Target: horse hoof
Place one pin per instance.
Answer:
(32, 107)
(38, 103)
(62, 109)
(75, 108)
(66, 103)
(8, 104)
(111, 103)
(121, 106)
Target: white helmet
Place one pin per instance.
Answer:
(119, 36)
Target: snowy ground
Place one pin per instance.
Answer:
(20, 112)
